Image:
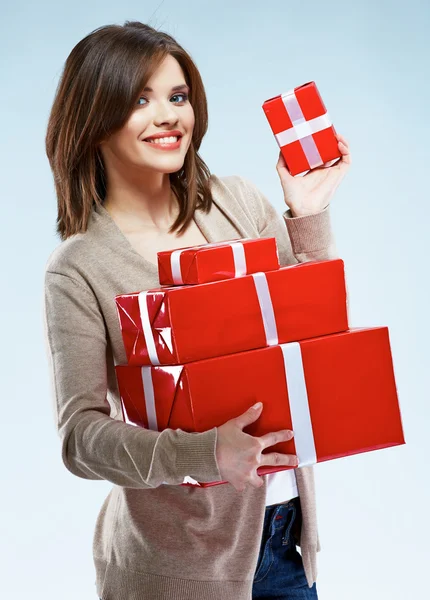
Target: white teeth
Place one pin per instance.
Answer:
(164, 140)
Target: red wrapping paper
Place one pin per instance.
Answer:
(195, 322)
(302, 128)
(214, 262)
(349, 381)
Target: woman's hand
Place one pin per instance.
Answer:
(312, 192)
(239, 454)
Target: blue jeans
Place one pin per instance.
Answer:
(279, 574)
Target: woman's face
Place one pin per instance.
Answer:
(156, 111)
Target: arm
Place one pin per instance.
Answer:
(310, 237)
(300, 239)
(95, 446)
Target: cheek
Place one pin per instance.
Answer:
(126, 143)
(191, 118)
(125, 147)
(129, 135)
(134, 127)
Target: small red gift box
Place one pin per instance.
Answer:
(336, 392)
(303, 128)
(182, 324)
(217, 261)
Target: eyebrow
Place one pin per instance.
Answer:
(174, 89)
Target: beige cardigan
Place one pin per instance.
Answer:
(154, 541)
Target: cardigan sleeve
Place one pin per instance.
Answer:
(94, 445)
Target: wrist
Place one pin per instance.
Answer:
(295, 214)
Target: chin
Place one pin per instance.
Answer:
(172, 167)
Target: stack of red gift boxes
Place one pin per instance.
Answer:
(229, 328)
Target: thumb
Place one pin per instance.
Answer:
(250, 415)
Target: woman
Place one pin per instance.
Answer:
(121, 199)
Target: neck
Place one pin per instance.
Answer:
(154, 207)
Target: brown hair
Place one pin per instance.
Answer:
(98, 89)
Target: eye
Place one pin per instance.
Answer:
(185, 96)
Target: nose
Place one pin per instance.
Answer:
(165, 113)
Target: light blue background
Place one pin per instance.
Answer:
(370, 61)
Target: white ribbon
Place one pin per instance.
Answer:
(302, 130)
(148, 392)
(147, 329)
(266, 307)
(238, 258)
(299, 404)
(149, 399)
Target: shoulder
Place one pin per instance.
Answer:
(242, 188)
(79, 251)
(67, 254)
(69, 260)
(241, 193)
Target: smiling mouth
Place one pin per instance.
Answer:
(165, 140)
(174, 143)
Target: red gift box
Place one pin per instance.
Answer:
(303, 128)
(337, 393)
(217, 261)
(183, 324)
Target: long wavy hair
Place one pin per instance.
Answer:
(100, 84)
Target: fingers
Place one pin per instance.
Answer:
(255, 480)
(274, 437)
(249, 416)
(272, 458)
(344, 150)
(342, 139)
(275, 459)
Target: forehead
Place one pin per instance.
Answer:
(169, 75)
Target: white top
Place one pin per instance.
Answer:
(281, 486)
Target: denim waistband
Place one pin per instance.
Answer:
(293, 501)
